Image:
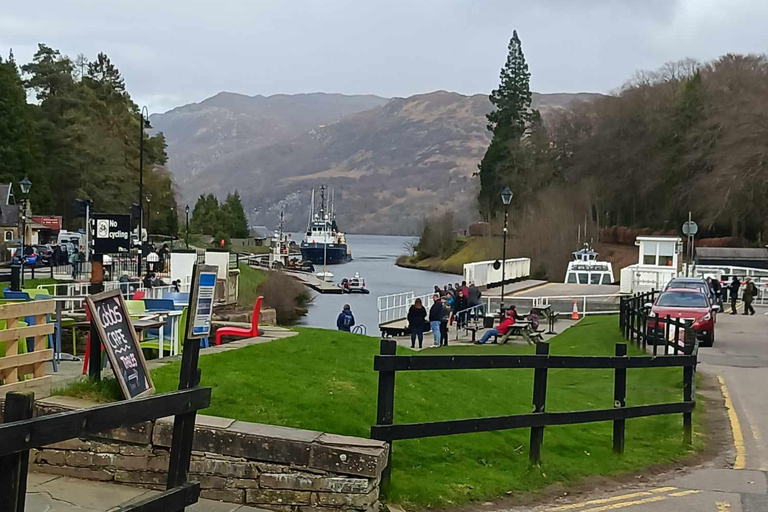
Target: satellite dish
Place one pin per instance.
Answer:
(496, 265)
(690, 228)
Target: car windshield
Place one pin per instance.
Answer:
(682, 300)
(688, 285)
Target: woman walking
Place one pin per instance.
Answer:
(417, 318)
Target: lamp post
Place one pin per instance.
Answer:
(25, 186)
(186, 227)
(143, 123)
(506, 198)
(149, 214)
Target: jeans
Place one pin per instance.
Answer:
(435, 326)
(417, 332)
(487, 335)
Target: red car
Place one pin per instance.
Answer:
(687, 303)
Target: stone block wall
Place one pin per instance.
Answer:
(276, 468)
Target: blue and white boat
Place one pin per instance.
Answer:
(323, 243)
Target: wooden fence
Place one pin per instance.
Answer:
(641, 327)
(388, 364)
(16, 367)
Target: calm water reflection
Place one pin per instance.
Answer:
(374, 259)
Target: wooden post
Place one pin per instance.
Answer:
(94, 351)
(539, 404)
(385, 409)
(644, 329)
(184, 424)
(619, 399)
(666, 334)
(621, 314)
(14, 467)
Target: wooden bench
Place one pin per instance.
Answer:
(543, 311)
(525, 330)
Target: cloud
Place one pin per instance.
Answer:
(180, 51)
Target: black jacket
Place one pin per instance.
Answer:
(733, 288)
(436, 312)
(417, 316)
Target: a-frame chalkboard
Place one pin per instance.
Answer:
(109, 315)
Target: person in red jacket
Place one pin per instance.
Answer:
(502, 328)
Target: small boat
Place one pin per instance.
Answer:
(353, 285)
(325, 276)
(586, 269)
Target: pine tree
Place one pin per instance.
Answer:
(236, 221)
(508, 122)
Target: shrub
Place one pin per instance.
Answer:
(286, 295)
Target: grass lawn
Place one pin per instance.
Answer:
(324, 380)
(250, 279)
(31, 283)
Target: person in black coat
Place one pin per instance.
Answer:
(733, 291)
(417, 319)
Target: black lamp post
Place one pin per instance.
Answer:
(186, 227)
(506, 198)
(149, 215)
(143, 123)
(25, 186)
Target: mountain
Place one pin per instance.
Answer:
(390, 162)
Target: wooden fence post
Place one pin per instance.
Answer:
(619, 399)
(539, 403)
(688, 383)
(14, 467)
(385, 409)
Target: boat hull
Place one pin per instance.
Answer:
(334, 253)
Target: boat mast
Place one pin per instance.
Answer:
(311, 211)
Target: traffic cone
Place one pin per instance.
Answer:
(575, 314)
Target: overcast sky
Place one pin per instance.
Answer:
(173, 52)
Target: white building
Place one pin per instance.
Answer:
(658, 263)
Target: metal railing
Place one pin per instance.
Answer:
(395, 306)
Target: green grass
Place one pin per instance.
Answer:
(250, 279)
(324, 380)
(31, 283)
(104, 391)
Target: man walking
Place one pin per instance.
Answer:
(733, 291)
(750, 292)
(346, 319)
(435, 315)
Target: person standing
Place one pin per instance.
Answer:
(346, 319)
(435, 315)
(446, 320)
(750, 292)
(473, 299)
(717, 290)
(733, 291)
(417, 317)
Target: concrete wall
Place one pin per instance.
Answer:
(276, 468)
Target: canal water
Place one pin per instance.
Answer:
(374, 259)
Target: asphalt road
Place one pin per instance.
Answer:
(735, 482)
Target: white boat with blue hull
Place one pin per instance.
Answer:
(323, 243)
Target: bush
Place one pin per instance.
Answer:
(286, 295)
(438, 239)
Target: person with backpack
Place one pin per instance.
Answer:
(346, 319)
(750, 292)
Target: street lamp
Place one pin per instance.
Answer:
(506, 198)
(149, 215)
(186, 227)
(143, 123)
(25, 186)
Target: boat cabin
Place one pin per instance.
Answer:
(585, 269)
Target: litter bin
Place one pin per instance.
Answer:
(488, 321)
(16, 277)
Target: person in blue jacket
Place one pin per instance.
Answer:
(346, 319)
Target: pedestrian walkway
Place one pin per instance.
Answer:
(50, 493)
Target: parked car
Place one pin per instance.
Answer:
(691, 283)
(685, 304)
(46, 254)
(31, 257)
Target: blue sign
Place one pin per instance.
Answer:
(202, 304)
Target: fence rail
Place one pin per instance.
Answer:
(641, 327)
(23, 358)
(387, 364)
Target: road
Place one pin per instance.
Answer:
(737, 482)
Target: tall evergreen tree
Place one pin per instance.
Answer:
(508, 122)
(237, 223)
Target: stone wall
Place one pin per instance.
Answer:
(277, 468)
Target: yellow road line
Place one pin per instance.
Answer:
(738, 437)
(683, 493)
(601, 501)
(723, 506)
(616, 506)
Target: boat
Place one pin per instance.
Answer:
(353, 285)
(323, 243)
(325, 276)
(585, 269)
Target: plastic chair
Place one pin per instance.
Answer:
(136, 307)
(139, 295)
(9, 294)
(253, 332)
(159, 305)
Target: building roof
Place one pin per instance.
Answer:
(260, 232)
(6, 194)
(732, 253)
(9, 215)
(657, 238)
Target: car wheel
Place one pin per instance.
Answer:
(709, 339)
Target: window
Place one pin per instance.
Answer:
(682, 300)
(594, 278)
(649, 253)
(8, 236)
(583, 278)
(666, 253)
(571, 278)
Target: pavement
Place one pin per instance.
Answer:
(734, 481)
(50, 493)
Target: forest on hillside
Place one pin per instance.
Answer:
(77, 137)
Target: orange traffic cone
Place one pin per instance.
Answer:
(575, 314)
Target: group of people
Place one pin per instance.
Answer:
(748, 294)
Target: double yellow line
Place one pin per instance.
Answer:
(738, 437)
(625, 500)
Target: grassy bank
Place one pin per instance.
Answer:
(250, 280)
(468, 250)
(323, 380)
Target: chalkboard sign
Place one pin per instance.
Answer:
(109, 315)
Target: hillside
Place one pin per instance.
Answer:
(391, 162)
